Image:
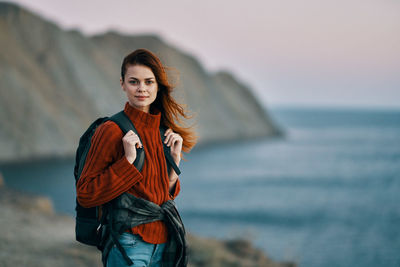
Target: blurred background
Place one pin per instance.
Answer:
(296, 103)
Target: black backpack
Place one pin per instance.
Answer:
(88, 227)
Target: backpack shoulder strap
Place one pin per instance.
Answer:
(84, 146)
(126, 124)
(123, 122)
(167, 153)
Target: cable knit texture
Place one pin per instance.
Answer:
(107, 173)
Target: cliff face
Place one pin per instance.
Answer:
(54, 83)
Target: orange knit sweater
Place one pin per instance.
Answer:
(107, 173)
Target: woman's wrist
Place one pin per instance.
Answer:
(173, 179)
(129, 159)
(177, 158)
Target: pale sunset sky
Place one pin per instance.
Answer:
(339, 53)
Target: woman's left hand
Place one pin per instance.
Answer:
(174, 141)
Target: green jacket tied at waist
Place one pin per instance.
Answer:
(127, 211)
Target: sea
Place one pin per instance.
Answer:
(326, 193)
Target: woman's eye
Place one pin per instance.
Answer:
(149, 82)
(133, 82)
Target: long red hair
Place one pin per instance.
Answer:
(172, 113)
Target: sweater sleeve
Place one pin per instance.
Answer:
(106, 173)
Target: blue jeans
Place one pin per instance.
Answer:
(142, 254)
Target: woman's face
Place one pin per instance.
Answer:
(140, 86)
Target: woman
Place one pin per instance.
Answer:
(109, 171)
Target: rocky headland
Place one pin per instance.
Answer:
(54, 82)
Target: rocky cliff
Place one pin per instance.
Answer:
(54, 83)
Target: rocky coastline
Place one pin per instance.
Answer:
(33, 234)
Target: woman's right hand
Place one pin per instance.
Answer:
(130, 142)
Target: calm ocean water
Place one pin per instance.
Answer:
(328, 194)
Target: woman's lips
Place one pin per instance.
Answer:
(141, 97)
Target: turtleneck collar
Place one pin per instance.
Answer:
(143, 118)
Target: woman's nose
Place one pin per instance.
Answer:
(140, 87)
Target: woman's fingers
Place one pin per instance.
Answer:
(168, 134)
(169, 130)
(133, 139)
(131, 142)
(174, 141)
(173, 137)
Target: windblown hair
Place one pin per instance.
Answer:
(171, 111)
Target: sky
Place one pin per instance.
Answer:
(341, 53)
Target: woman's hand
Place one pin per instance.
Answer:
(174, 141)
(130, 142)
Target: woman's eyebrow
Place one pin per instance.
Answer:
(144, 78)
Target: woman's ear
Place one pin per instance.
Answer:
(121, 83)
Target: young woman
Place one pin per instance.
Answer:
(109, 171)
